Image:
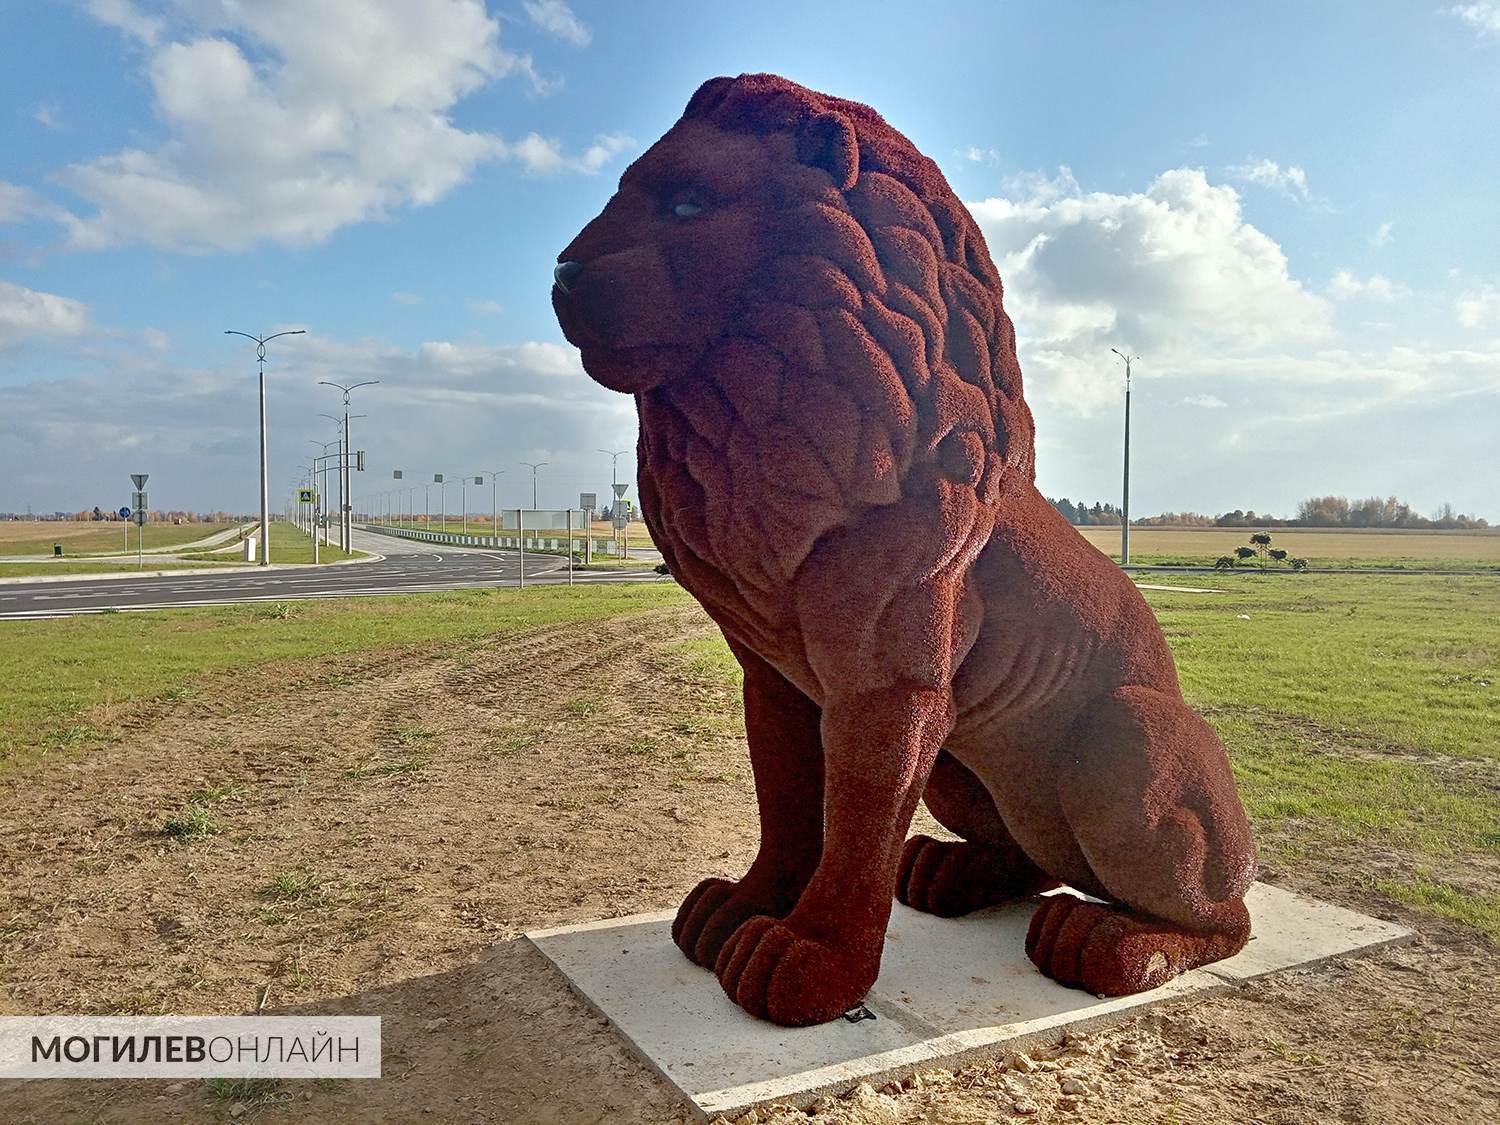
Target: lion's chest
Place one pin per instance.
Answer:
(729, 515)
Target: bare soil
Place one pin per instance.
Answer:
(377, 830)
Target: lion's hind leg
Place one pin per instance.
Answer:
(984, 868)
(1149, 795)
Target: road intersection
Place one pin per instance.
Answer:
(407, 567)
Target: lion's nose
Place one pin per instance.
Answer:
(565, 273)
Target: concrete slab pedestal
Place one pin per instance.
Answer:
(950, 991)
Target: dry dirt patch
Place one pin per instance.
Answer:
(369, 834)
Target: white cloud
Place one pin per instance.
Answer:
(1177, 275)
(156, 339)
(544, 156)
(1174, 273)
(979, 154)
(555, 17)
(16, 202)
(1345, 286)
(47, 114)
(288, 119)
(406, 298)
(1289, 181)
(1382, 235)
(1483, 16)
(1478, 307)
(483, 306)
(126, 17)
(28, 314)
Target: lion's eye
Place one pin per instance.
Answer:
(686, 210)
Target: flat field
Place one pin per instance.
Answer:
(35, 537)
(360, 805)
(1339, 548)
(289, 544)
(1354, 548)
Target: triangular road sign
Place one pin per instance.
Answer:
(140, 480)
(620, 490)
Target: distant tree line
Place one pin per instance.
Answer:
(1338, 511)
(1082, 514)
(1317, 511)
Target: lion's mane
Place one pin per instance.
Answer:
(908, 298)
(868, 360)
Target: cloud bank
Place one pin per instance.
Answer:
(285, 120)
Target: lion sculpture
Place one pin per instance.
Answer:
(836, 460)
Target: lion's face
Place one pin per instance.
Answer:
(663, 270)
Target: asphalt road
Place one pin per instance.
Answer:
(408, 568)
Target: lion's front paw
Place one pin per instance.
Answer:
(776, 973)
(712, 911)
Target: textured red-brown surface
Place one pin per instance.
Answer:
(837, 461)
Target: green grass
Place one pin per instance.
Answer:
(1358, 711)
(1361, 713)
(1403, 662)
(37, 537)
(58, 674)
(292, 885)
(1479, 911)
(251, 1091)
(1416, 562)
(709, 658)
(194, 824)
(290, 544)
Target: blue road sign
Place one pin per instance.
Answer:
(124, 513)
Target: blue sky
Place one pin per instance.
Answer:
(1287, 209)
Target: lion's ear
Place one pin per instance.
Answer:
(708, 95)
(827, 141)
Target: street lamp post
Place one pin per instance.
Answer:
(495, 501)
(441, 480)
(321, 506)
(614, 456)
(265, 487)
(345, 480)
(534, 466)
(338, 428)
(320, 465)
(1125, 500)
(350, 461)
(614, 488)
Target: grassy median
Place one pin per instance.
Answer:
(1362, 714)
(67, 678)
